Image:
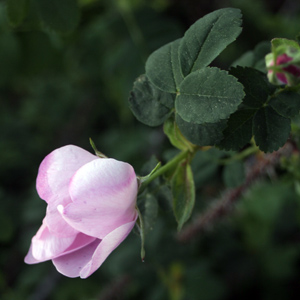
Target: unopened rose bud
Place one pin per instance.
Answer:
(284, 71)
(91, 208)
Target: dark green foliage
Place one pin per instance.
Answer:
(62, 16)
(163, 68)
(149, 104)
(270, 129)
(201, 134)
(239, 130)
(207, 38)
(286, 103)
(264, 113)
(207, 96)
(256, 86)
(16, 11)
(183, 190)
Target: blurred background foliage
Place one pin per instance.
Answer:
(63, 82)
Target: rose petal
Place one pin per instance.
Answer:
(71, 264)
(104, 196)
(57, 169)
(29, 259)
(87, 260)
(56, 223)
(45, 246)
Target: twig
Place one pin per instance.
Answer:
(223, 206)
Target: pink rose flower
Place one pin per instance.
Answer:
(90, 210)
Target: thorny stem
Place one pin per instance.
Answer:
(224, 205)
(241, 155)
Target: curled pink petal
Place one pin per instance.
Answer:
(47, 246)
(88, 259)
(57, 169)
(71, 264)
(104, 197)
(29, 259)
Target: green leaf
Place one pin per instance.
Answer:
(16, 11)
(238, 131)
(183, 190)
(256, 86)
(207, 134)
(176, 138)
(255, 58)
(246, 60)
(256, 115)
(150, 105)
(59, 15)
(208, 95)
(234, 174)
(208, 37)
(270, 129)
(286, 103)
(163, 69)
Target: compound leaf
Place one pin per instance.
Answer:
(208, 37)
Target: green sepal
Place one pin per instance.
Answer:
(183, 191)
(144, 178)
(285, 46)
(97, 152)
(148, 206)
(175, 136)
(140, 225)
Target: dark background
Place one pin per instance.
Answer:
(58, 89)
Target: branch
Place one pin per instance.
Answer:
(223, 206)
